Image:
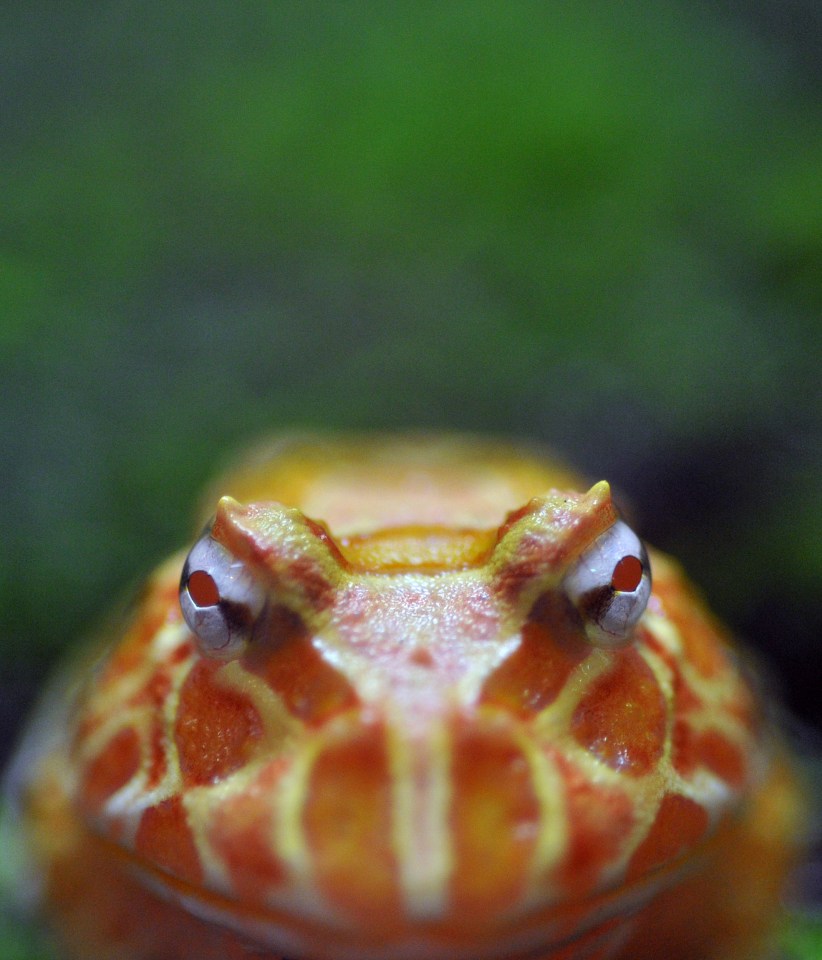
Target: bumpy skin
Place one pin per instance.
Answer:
(419, 755)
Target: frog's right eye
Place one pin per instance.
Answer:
(220, 599)
(610, 584)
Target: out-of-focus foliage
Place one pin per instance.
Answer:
(595, 224)
(803, 939)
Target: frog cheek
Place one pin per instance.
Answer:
(610, 585)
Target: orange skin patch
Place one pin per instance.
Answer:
(241, 834)
(164, 839)
(216, 729)
(417, 548)
(111, 769)
(494, 796)
(685, 700)
(622, 717)
(679, 825)
(158, 603)
(312, 689)
(158, 765)
(551, 647)
(710, 750)
(347, 820)
(600, 820)
(417, 750)
(703, 638)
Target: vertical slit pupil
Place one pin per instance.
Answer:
(202, 589)
(627, 574)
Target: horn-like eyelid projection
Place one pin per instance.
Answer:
(610, 584)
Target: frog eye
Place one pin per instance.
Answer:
(610, 584)
(220, 599)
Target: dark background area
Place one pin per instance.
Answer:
(595, 225)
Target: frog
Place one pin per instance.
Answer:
(412, 697)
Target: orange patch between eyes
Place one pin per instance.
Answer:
(417, 548)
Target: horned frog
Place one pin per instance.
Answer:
(411, 698)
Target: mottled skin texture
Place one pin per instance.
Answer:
(419, 754)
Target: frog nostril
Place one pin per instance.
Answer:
(421, 657)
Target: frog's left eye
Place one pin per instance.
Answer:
(610, 584)
(220, 599)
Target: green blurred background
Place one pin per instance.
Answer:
(598, 225)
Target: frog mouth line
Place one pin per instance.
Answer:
(607, 915)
